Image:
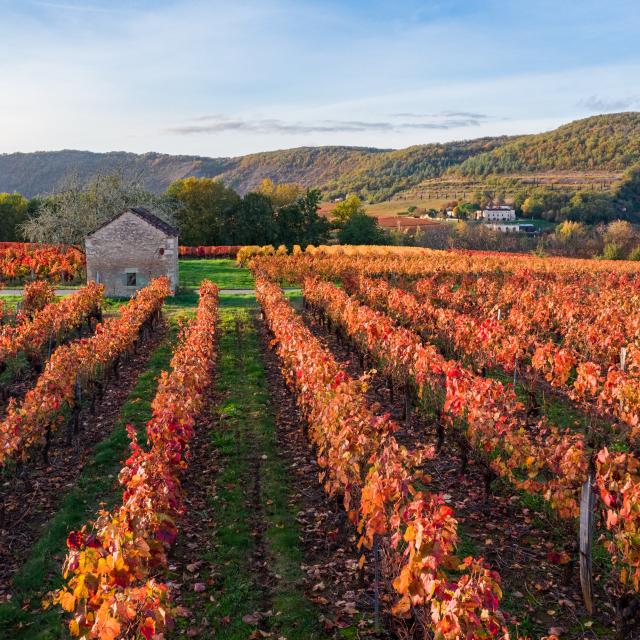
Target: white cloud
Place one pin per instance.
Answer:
(133, 75)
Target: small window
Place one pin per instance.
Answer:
(131, 279)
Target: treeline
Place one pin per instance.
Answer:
(205, 210)
(606, 142)
(210, 213)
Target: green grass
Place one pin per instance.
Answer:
(10, 302)
(244, 432)
(23, 618)
(225, 273)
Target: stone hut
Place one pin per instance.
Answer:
(131, 249)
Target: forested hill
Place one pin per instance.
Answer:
(377, 173)
(608, 142)
(373, 173)
(42, 172)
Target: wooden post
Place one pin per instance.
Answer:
(623, 358)
(586, 541)
(376, 602)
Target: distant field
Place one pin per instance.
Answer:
(400, 207)
(455, 187)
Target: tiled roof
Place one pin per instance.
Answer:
(147, 216)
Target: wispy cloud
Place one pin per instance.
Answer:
(444, 114)
(220, 123)
(600, 104)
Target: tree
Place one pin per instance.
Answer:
(206, 212)
(622, 234)
(75, 209)
(280, 194)
(14, 209)
(362, 229)
(612, 251)
(349, 207)
(299, 222)
(532, 207)
(256, 222)
(627, 195)
(590, 207)
(569, 230)
(464, 210)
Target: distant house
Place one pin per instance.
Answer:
(131, 249)
(513, 228)
(494, 214)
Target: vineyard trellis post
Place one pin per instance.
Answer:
(376, 559)
(587, 504)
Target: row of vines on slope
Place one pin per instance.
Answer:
(45, 321)
(112, 589)
(379, 482)
(22, 260)
(74, 365)
(539, 458)
(490, 341)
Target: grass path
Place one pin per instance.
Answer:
(250, 548)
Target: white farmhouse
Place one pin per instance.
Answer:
(495, 214)
(513, 228)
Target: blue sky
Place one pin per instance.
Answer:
(228, 78)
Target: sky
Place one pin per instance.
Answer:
(229, 78)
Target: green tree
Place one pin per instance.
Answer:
(280, 194)
(256, 222)
(362, 229)
(206, 212)
(628, 193)
(465, 211)
(532, 207)
(349, 207)
(590, 207)
(14, 209)
(299, 222)
(612, 251)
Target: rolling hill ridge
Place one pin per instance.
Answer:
(605, 143)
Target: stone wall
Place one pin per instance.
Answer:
(130, 245)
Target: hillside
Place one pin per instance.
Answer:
(607, 142)
(375, 173)
(599, 148)
(42, 171)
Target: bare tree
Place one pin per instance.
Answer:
(76, 208)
